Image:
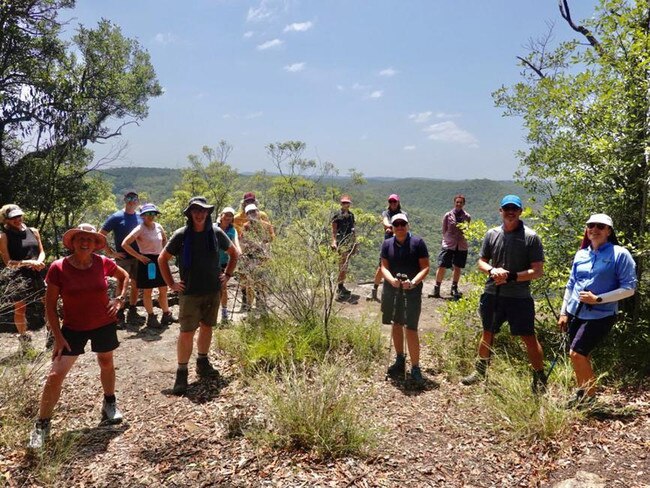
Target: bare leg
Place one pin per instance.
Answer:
(440, 274)
(106, 371)
(224, 298)
(456, 276)
(184, 346)
(413, 342)
(534, 350)
(398, 338)
(584, 372)
(378, 276)
(146, 300)
(20, 318)
(485, 346)
(52, 389)
(205, 339)
(133, 294)
(162, 299)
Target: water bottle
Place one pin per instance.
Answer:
(151, 270)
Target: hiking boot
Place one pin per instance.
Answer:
(39, 434)
(121, 323)
(342, 295)
(152, 321)
(538, 385)
(111, 414)
(455, 294)
(372, 297)
(581, 400)
(477, 375)
(416, 376)
(25, 343)
(204, 369)
(435, 293)
(132, 316)
(180, 385)
(397, 370)
(167, 319)
(344, 291)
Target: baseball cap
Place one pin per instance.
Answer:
(511, 200)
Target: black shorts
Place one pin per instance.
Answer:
(449, 257)
(103, 339)
(392, 306)
(585, 335)
(518, 312)
(143, 280)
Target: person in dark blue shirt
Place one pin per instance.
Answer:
(404, 266)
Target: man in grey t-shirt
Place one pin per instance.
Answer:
(512, 256)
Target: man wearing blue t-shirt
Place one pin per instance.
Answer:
(121, 223)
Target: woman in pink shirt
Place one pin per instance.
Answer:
(150, 238)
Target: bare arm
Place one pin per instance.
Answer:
(334, 230)
(51, 301)
(126, 245)
(166, 272)
(110, 252)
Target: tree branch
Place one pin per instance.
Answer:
(531, 66)
(566, 15)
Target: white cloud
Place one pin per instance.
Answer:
(388, 72)
(264, 11)
(358, 86)
(448, 131)
(165, 38)
(444, 115)
(420, 117)
(270, 44)
(299, 27)
(248, 34)
(254, 115)
(409, 148)
(340, 87)
(295, 67)
(376, 94)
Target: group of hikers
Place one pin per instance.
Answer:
(207, 253)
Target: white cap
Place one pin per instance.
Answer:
(399, 216)
(601, 219)
(250, 207)
(228, 210)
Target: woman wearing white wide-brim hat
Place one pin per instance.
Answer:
(602, 274)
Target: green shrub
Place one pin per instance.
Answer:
(317, 408)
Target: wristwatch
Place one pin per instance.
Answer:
(599, 299)
(120, 298)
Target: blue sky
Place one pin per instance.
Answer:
(390, 88)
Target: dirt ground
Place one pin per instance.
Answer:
(436, 437)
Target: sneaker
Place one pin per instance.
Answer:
(435, 293)
(538, 385)
(416, 376)
(132, 316)
(205, 370)
(167, 319)
(111, 414)
(152, 321)
(477, 375)
(397, 370)
(180, 385)
(39, 434)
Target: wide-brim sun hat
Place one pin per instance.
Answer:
(198, 202)
(88, 229)
(149, 207)
(250, 208)
(601, 219)
(399, 216)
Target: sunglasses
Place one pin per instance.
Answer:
(400, 223)
(149, 214)
(510, 208)
(599, 226)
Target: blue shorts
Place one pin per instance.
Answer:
(585, 335)
(103, 339)
(518, 312)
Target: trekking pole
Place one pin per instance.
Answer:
(565, 335)
(234, 301)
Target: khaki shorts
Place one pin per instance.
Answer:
(130, 265)
(198, 309)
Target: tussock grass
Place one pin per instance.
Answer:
(269, 343)
(317, 408)
(515, 410)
